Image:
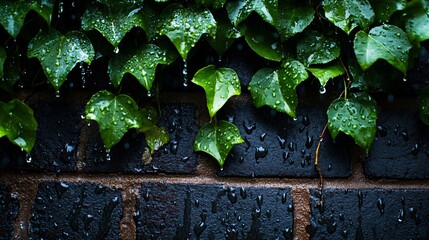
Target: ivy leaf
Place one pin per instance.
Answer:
(417, 20)
(114, 114)
(217, 139)
(124, 4)
(185, 26)
(374, 80)
(324, 73)
(58, 53)
(156, 138)
(13, 13)
(143, 64)
(241, 9)
(265, 41)
(2, 61)
(385, 8)
(313, 48)
(226, 34)
(294, 17)
(17, 122)
(386, 42)
(113, 24)
(424, 105)
(347, 15)
(219, 85)
(356, 117)
(276, 87)
(211, 3)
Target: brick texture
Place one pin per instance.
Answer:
(9, 208)
(187, 211)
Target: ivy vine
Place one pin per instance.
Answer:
(362, 43)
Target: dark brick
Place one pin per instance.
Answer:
(75, 210)
(187, 211)
(401, 149)
(9, 209)
(276, 145)
(127, 156)
(370, 214)
(59, 124)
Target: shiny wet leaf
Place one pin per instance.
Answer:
(417, 20)
(115, 115)
(294, 17)
(241, 9)
(386, 42)
(326, 72)
(156, 138)
(17, 122)
(315, 48)
(356, 117)
(219, 85)
(384, 9)
(265, 41)
(58, 54)
(217, 139)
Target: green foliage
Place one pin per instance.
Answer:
(371, 41)
(313, 48)
(219, 85)
(347, 15)
(114, 114)
(13, 13)
(386, 42)
(217, 139)
(113, 23)
(424, 105)
(17, 122)
(58, 53)
(324, 73)
(276, 87)
(185, 26)
(356, 117)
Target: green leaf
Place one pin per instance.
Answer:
(417, 20)
(124, 4)
(386, 42)
(385, 8)
(314, 48)
(424, 105)
(17, 122)
(324, 73)
(58, 53)
(347, 15)
(265, 41)
(241, 9)
(217, 139)
(356, 117)
(185, 26)
(115, 115)
(219, 85)
(13, 13)
(2, 61)
(113, 23)
(211, 3)
(226, 34)
(143, 64)
(156, 138)
(294, 17)
(276, 87)
(374, 80)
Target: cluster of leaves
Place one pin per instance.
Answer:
(353, 40)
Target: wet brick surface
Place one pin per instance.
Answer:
(9, 208)
(128, 155)
(183, 211)
(276, 145)
(59, 124)
(401, 149)
(370, 214)
(75, 211)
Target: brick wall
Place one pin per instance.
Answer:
(267, 190)
(69, 190)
